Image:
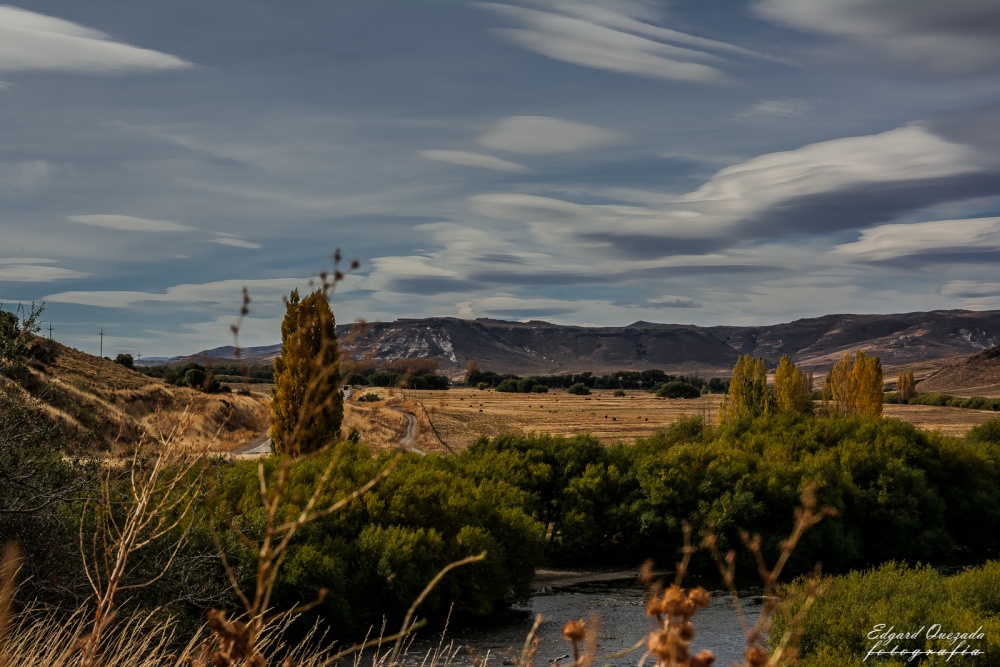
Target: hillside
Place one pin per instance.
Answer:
(101, 403)
(978, 375)
(541, 347)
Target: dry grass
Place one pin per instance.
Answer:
(383, 424)
(949, 421)
(461, 415)
(112, 405)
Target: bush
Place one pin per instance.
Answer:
(579, 389)
(836, 629)
(377, 554)
(508, 386)
(987, 432)
(539, 389)
(125, 360)
(619, 393)
(483, 386)
(369, 398)
(678, 389)
(356, 380)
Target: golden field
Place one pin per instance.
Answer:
(460, 415)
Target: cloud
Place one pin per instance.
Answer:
(669, 301)
(665, 301)
(938, 238)
(32, 41)
(235, 241)
(603, 39)
(223, 294)
(130, 223)
(909, 153)
(970, 289)
(942, 38)
(35, 270)
(466, 159)
(26, 176)
(791, 107)
(542, 135)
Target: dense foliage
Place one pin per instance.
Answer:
(37, 495)
(948, 401)
(377, 554)
(900, 600)
(899, 492)
(649, 380)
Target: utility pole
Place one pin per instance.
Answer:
(139, 355)
(50, 330)
(102, 343)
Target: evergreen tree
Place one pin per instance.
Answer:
(308, 407)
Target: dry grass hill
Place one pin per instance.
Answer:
(101, 403)
(977, 375)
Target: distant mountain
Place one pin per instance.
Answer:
(542, 347)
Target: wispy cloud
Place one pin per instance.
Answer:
(603, 39)
(466, 159)
(938, 237)
(128, 223)
(35, 270)
(235, 241)
(32, 41)
(954, 37)
(543, 135)
(791, 107)
(218, 294)
(26, 176)
(971, 289)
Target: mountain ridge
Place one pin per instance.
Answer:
(543, 347)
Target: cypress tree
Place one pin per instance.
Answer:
(307, 407)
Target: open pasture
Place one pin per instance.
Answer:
(461, 415)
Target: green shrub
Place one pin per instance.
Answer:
(508, 386)
(619, 393)
(678, 389)
(539, 389)
(579, 389)
(378, 553)
(899, 599)
(369, 398)
(988, 431)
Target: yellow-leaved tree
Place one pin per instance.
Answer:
(790, 389)
(749, 396)
(307, 407)
(905, 386)
(855, 388)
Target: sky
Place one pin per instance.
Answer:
(593, 163)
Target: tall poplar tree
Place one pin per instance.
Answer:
(749, 396)
(905, 386)
(856, 388)
(790, 386)
(307, 407)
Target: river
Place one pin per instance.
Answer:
(619, 606)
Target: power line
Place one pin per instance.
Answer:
(50, 330)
